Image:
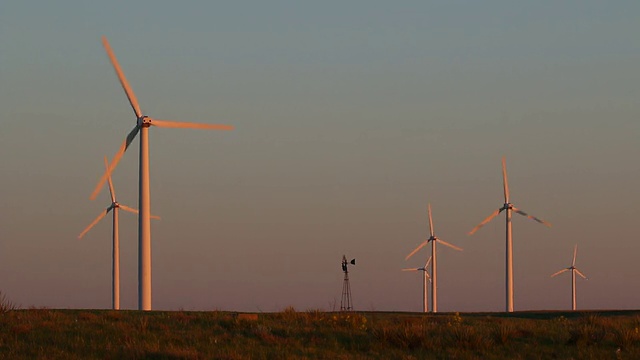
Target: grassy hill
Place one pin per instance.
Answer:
(290, 334)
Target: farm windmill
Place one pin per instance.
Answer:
(346, 303)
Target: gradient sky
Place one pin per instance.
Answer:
(350, 117)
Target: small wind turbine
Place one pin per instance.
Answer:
(508, 208)
(574, 271)
(426, 278)
(114, 206)
(143, 123)
(434, 269)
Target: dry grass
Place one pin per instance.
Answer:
(315, 334)
(6, 305)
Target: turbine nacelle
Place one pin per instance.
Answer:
(144, 121)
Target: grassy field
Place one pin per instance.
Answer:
(291, 334)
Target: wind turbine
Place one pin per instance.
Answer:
(115, 206)
(426, 278)
(574, 271)
(143, 123)
(434, 269)
(508, 208)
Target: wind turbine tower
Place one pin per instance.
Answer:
(508, 208)
(425, 278)
(142, 125)
(574, 271)
(433, 239)
(346, 303)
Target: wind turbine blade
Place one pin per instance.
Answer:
(430, 222)
(505, 182)
(189, 125)
(417, 249)
(125, 145)
(559, 272)
(449, 245)
(94, 222)
(531, 217)
(130, 136)
(409, 269)
(128, 209)
(581, 274)
(123, 80)
(427, 274)
(428, 261)
(494, 214)
(575, 252)
(112, 190)
(135, 211)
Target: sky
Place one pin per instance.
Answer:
(350, 117)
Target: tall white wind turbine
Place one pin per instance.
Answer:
(574, 271)
(115, 206)
(507, 207)
(143, 123)
(426, 278)
(434, 268)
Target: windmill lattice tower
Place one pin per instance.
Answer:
(345, 303)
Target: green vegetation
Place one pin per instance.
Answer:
(313, 334)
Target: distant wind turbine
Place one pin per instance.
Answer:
(508, 208)
(115, 206)
(574, 271)
(434, 268)
(143, 123)
(426, 278)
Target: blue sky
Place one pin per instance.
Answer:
(350, 117)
